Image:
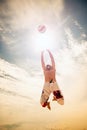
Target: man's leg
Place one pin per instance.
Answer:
(57, 95)
(45, 96)
(54, 98)
(46, 104)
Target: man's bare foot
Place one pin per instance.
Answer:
(54, 98)
(48, 105)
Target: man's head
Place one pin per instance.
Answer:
(48, 67)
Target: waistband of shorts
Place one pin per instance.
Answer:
(50, 82)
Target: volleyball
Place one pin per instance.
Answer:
(42, 28)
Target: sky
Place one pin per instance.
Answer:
(21, 75)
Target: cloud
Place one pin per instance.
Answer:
(71, 64)
(7, 76)
(77, 47)
(13, 80)
(18, 23)
(10, 126)
(28, 12)
(77, 24)
(13, 93)
(84, 35)
(11, 70)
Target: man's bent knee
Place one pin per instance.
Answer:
(44, 104)
(58, 94)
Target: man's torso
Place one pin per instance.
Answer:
(49, 75)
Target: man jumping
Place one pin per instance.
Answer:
(50, 85)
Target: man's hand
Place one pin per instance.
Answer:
(48, 50)
(42, 52)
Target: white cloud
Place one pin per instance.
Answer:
(16, 81)
(78, 24)
(77, 47)
(27, 14)
(83, 35)
(71, 64)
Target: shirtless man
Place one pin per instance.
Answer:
(50, 85)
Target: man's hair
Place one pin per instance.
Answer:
(48, 67)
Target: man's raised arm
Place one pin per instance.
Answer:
(42, 61)
(52, 59)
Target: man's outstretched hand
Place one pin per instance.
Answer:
(42, 52)
(49, 51)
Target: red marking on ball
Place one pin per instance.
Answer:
(41, 28)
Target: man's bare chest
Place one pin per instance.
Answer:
(49, 73)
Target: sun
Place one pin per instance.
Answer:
(43, 41)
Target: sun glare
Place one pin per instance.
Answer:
(43, 41)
